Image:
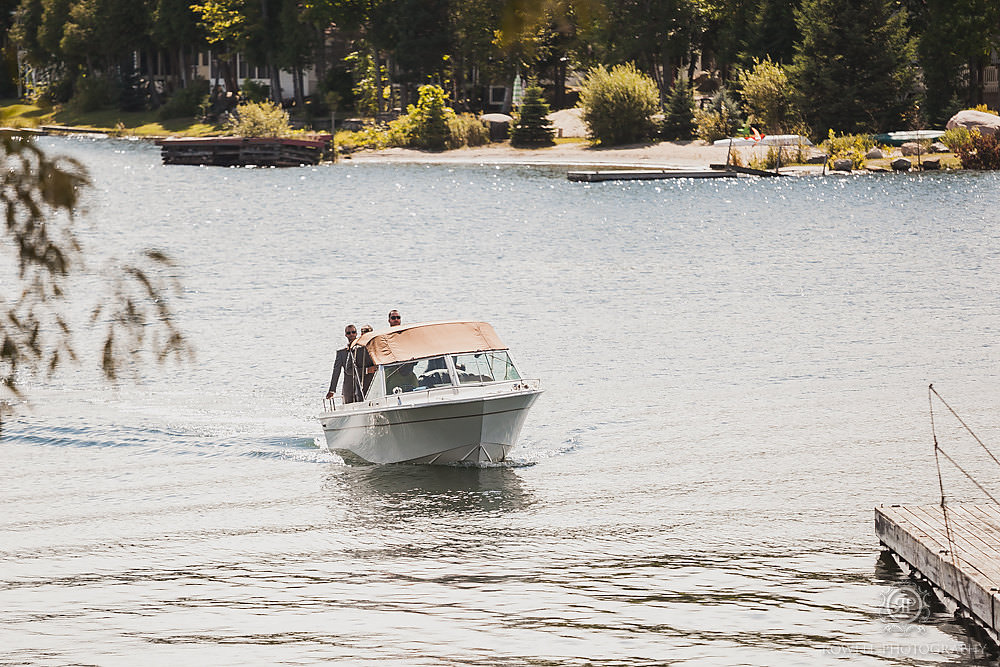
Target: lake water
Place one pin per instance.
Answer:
(736, 373)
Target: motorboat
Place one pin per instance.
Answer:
(433, 392)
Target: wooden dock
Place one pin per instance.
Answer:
(965, 568)
(643, 175)
(241, 152)
(749, 171)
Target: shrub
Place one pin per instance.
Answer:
(678, 120)
(370, 137)
(618, 105)
(850, 146)
(93, 93)
(982, 151)
(721, 120)
(532, 126)
(712, 125)
(57, 90)
(186, 102)
(770, 159)
(466, 130)
(429, 119)
(955, 137)
(260, 119)
(984, 109)
(765, 93)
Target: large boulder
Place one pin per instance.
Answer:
(931, 164)
(986, 123)
(842, 164)
(498, 124)
(901, 164)
(874, 154)
(911, 148)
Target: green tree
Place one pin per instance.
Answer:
(429, 119)
(618, 105)
(853, 68)
(24, 33)
(532, 126)
(225, 23)
(678, 121)
(297, 45)
(174, 27)
(55, 16)
(40, 196)
(956, 39)
(655, 35)
(772, 31)
(420, 42)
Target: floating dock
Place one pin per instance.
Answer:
(241, 152)
(961, 559)
(643, 175)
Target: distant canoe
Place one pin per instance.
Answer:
(900, 138)
(242, 152)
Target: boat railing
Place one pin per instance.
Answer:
(336, 403)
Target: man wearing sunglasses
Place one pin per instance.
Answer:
(395, 319)
(341, 364)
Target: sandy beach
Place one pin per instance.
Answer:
(662, 155)
(573, 150)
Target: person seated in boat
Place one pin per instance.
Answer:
(401, 377)
(366, 329)
(341, 364)
(395, 319)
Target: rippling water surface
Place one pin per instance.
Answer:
(735, 374)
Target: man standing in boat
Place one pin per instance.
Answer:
(344, 364)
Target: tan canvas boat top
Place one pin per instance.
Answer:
(429, 339)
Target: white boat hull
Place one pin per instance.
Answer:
(478, 429)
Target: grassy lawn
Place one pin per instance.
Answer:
(134, 123)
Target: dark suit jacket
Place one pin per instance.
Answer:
(342, 363)
(365, 369)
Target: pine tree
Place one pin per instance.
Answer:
(678, 122)
(853, 68)
(532, 127)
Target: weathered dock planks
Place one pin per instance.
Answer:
(966, 569)
(643, 175)
(749, 171)
(240, 152)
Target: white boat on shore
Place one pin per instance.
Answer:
(438, 392)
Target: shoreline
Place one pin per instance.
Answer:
(666, 155)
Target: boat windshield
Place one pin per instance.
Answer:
(493, 366)
(416, 375)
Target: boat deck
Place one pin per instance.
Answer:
(966, 568)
